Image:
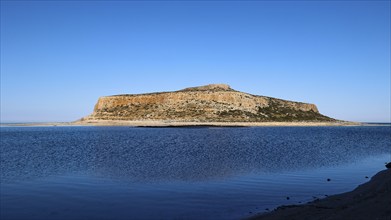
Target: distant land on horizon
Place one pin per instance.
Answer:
(210, 103)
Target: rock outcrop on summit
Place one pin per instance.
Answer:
(210, 103)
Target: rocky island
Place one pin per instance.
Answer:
(214, 104)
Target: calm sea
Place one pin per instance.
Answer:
(180, 173)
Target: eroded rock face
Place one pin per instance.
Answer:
(210, 103)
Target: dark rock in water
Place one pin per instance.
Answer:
(388, 165)
(366, 177)
(287, 198)
(328, 180)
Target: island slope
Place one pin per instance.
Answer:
(210, 103)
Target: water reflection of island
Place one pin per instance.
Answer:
(183, 154)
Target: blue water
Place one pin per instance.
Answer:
(180, 173)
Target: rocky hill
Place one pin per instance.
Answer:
(210, 103)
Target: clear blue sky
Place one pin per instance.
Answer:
(57, 58)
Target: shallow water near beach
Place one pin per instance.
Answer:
(180, 173)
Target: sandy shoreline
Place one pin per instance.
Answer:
(371, 200)
(184, 123)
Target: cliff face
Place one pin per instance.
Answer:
(211, 103)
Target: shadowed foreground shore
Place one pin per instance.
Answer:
(371, 200)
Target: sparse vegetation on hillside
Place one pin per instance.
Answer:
(218, 103)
